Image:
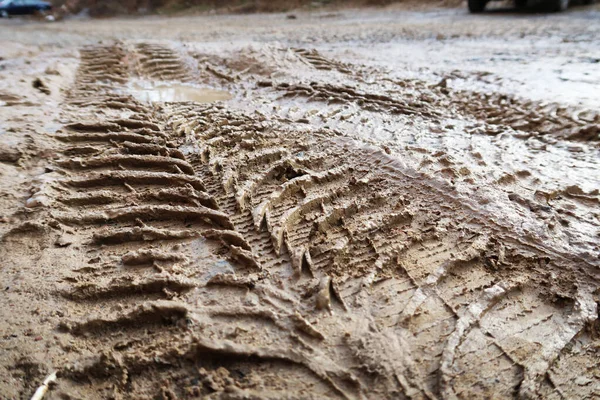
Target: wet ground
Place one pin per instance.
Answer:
(349, 204)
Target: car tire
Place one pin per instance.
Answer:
(521, 4)
(558, 5)
(477, 6)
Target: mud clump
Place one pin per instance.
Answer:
(41, 86)
(10, 155)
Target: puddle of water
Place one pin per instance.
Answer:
(175, 92)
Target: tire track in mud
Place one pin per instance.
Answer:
(555, 120)
(318, 217)
(156, 61)
(419, 98)
(127, 190)
(344, 95)
(317, 60)
(230, 255)
(102, 69)
(134, 195)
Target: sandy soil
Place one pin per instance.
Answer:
(361, 204)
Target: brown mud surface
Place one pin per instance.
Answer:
(360, 205)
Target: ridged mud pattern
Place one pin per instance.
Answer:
(156, 61)
(353, 237)
(433, 101)
(143, 197)
(160, 223)
(228, 254)
(101, 70)
(102, 64)
(552, 119)
(314, 58)
(368, 101)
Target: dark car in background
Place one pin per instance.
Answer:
(477, 6)
(9, 8)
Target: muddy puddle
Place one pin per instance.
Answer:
(169, 92)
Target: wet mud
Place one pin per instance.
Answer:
(271, 223)
(167, 92)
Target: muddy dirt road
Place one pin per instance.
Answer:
(373, 204)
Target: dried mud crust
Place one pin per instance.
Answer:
(226, 254)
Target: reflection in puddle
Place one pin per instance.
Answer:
(175, 92)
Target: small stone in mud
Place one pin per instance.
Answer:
(36, 201)
(292, 16)
(63, 242)
(40, 85)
